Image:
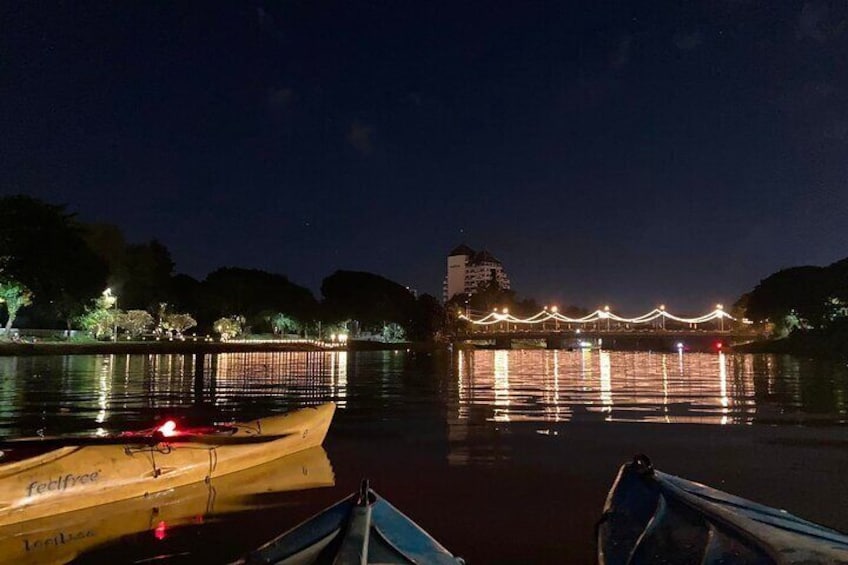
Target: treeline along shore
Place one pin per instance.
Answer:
(90, 285)
(91, 290)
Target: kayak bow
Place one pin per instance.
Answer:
(362, 528)
(653, 517)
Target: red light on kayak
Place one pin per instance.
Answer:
(168, 429)
(161, 530)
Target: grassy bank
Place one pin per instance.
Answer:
(150, 348)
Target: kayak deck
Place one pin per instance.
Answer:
(654, 517)
(362, 528)
(74, 477)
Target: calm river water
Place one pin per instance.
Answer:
(504, 456)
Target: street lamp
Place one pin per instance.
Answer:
(111, 301)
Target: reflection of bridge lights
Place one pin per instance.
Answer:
(460, 360)
(606, 384)
(558, 385)
(722, 378)
(501, 385)
(665, 388)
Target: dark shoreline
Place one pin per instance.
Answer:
(807, 345)
(190, 347)
(149, 348)
(815, 344)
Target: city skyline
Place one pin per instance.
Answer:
(630, 155)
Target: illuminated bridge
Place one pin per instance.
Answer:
(658, 328)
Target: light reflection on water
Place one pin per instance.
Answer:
(106, 392)
(553, 386)
(426, 417)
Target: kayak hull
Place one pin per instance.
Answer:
(71, 478)
(61, 539)
(654, 517)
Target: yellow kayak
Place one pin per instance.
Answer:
(61, 539)
(73, 477)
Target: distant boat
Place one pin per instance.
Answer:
(653, 517)
(362, 528)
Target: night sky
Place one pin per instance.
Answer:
(627, 153)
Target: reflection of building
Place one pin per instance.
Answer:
(469, 270)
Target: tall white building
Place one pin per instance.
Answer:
(469, 270)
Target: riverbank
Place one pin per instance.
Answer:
(191, 347)
(187, 347)
(814, 343)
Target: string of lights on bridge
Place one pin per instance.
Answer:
(552, 314)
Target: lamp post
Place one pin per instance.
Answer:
(111, 301)
(115, 320)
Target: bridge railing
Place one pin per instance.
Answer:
(656, 319)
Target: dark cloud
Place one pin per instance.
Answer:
(620, 56)
(687, 41)
(836, 129)
(811, 20)
(821, 21)
(279, 101)
(361, 137)
(267, 23)
(817, 112)
(589, 92)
